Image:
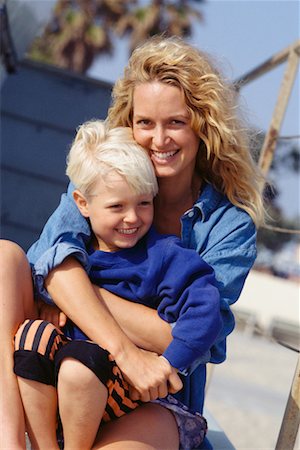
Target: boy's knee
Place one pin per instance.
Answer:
(74, 374)
(84, 359)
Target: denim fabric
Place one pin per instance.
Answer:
(225, 237)
(66, 233)
(221, 233)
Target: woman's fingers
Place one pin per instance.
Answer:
(174, 383)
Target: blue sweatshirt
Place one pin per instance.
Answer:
(160, 273)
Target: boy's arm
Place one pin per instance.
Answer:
(190, 301)
(73, 293)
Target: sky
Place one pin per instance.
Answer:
(240, 35)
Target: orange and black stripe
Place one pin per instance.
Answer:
(40, 348)
(118, 402)
(41, 337)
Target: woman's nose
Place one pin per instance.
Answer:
(160, 137)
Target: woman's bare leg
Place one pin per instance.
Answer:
(16, 304)
(149, 427)
(82, 400)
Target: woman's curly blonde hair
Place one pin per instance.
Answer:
(224, 158)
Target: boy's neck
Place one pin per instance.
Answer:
(96, 245)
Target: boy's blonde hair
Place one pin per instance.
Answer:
(98, 150)
(224, 159)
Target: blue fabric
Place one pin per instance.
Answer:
(222, 234)
(160, 273)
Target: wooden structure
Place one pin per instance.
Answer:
(290, 55)
(291, 420)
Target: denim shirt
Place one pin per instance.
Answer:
(224, 236)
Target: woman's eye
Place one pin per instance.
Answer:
(177, 122)
(143, 122)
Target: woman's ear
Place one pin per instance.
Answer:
(81, 202)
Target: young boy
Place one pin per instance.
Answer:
(115, 187)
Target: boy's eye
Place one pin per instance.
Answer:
(116, 206)
(145, 203)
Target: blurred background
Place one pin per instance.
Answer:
(59, 60)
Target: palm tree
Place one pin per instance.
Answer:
(81, 29)
(159, 16)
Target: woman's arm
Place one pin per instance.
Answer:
(72, 291)
(141, 324)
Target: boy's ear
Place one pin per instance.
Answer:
(81, 202)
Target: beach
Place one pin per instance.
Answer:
(247, 394)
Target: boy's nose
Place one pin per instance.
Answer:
(131, 216)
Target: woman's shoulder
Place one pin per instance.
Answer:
(216, 208)
(217, 224)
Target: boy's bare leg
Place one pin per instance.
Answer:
(40, 405)
(82, 399)
(16, 304)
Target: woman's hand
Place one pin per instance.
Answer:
(149, 375)
(52, 314)
(171, 387)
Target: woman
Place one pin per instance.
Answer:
(185, 115)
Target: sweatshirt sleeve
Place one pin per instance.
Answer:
(190, 298)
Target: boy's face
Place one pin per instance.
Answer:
(119, 217)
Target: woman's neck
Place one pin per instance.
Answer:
(173, 200)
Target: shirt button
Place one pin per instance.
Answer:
(191, 214)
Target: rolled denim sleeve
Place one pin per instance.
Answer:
(66, 233)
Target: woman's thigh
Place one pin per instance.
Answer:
(149, 427)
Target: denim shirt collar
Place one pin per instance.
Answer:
(207, 202)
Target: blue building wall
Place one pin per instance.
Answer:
(40, 110)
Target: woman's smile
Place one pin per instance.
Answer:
(163, 157)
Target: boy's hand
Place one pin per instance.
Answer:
(52, 314)
(149, 375)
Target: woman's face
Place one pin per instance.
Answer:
(161, 124)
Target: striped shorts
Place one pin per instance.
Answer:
(40, 348)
